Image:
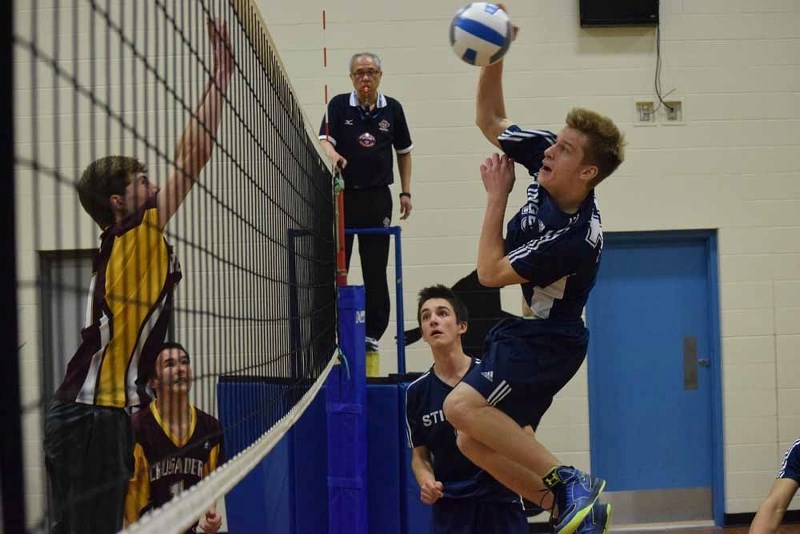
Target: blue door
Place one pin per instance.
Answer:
(652, 358)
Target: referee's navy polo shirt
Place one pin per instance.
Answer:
(365, 138)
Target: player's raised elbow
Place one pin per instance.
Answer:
(489, 277)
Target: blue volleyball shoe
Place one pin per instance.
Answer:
(598, 521)
(575, 493)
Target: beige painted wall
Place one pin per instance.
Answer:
(733, 165)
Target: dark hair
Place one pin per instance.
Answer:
(440, 291)
(167, 345)
(102, 178)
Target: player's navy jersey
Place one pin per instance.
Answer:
(790, 468)
(558, 253)
(427, 426)
(365, 138)
(127, 313)
(166, 465)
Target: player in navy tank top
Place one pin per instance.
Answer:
(465, 498)
(770, 514)
(552, 250)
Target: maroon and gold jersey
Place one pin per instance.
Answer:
(127, 313)
(166, 465)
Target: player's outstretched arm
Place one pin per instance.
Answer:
(770, 513)
(194, 147)
(490, 107)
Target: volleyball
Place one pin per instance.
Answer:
(480, 33)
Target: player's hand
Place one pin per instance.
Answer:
(497, 173)
(211, 522)
(432, 491)
(405, 207)
(223, 52)
(514, 27)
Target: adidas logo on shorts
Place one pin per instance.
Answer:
(488, 375)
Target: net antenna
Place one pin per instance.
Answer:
(338, 180)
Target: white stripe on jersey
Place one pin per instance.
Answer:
(544, 297)
(782, 470)
(144, 334)
(87, 321)
(530, 246)
(521, 135)
(499, 393)
(89, 387)
(87, 391)
(408, 425)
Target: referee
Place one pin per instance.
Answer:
(363, 127)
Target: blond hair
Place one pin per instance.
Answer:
(605, 146)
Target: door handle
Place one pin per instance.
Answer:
(704, 362)
(690, 362)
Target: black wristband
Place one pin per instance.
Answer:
(404, 194)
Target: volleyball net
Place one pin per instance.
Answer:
(253, 241)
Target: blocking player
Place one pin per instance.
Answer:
(88, 440)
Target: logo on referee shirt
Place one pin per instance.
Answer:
(488, 375)
(366, 140)
(384, 125)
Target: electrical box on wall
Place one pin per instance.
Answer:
(619, 12)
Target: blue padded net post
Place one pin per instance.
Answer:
(347, 421)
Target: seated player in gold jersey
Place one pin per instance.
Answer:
(176, 444)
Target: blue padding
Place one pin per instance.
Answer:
(383, 458)
(311, 469)
(286, 493)
(416, 515)
(263, 496)
(347, 424)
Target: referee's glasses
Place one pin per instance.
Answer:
(369, 73)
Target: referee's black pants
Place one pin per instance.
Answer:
(371, 208)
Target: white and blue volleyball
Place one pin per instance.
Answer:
(480, 33)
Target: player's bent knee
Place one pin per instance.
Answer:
(455, 410)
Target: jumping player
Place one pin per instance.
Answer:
(552, 249)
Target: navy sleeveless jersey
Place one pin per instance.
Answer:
(557, 252)
(426, 426)
(790, 468)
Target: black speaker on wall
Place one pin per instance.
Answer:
(619, 12)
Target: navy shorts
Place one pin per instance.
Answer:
(526, 362)
(470, 516)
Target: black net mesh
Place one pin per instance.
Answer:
(196, 92)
